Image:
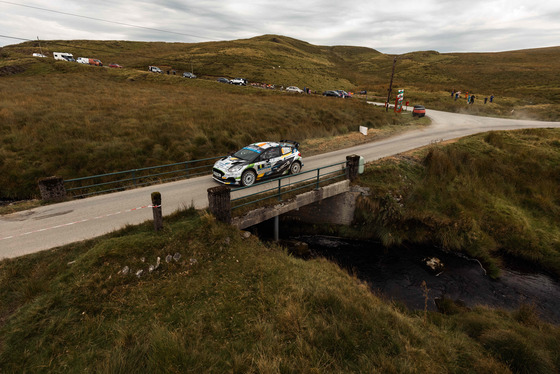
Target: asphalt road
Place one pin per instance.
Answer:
(58, 224)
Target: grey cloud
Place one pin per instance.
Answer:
(390, 27)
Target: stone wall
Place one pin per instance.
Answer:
(52, 189)
(336, 210)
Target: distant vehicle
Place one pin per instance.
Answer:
(63, 56)
(38, 55)
(294, 89)
(155, 69)
(190, 75)
(419, 111)
(343, 94)
(259, 161)
(239, 81)
(115, 66)
(332, 93)
(223, 80)
(89, 61)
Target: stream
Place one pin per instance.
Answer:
(398, 273)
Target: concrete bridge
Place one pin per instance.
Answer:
(332, 204)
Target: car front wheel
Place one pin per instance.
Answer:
(248, 178)
(295, 168)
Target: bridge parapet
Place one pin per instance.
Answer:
(262, 214)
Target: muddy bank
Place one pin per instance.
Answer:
(398, 273)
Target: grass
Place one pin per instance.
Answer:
(493, 196)
(234, 304)
(237, 305)
(129, 119)
(74, 120)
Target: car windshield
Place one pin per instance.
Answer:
(248, 153)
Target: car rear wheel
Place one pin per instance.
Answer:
(248, 178)
(295, 168)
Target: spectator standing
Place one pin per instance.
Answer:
(485, 100)
(472, 99)
(492, 98)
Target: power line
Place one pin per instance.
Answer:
(13, 37)
(104, 20)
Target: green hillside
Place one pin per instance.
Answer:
(218, 300)
(72, 120)
(531, 75)
(493, 196)
(228, 303)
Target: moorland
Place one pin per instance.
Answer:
(74, 120)
(231, 302)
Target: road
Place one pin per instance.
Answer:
(67, 222)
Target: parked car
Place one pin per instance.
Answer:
(155, 69)
(259, 161)
(96, 62)
(223, 80)
(115, 66)
(90, 61)
(419, 111)
(38, 55)
(239, 81)
(332, 93)
(343, 94)
(294, 89)
(190, 75)
(63, 56)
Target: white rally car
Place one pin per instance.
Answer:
(259, 161)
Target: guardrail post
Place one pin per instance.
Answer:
(219, 203)
(352, 163)
(156, 209)
(52, 188)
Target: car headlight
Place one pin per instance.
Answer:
(236, 168)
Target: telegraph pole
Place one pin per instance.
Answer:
(390, 85)
(40, 49)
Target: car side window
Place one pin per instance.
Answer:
(265, 155)
(274, 152)
(270, 153)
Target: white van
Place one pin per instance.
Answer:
(63, 56)
(82, 60)
(38, 55)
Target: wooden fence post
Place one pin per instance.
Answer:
(352, 163)
(156, 210)
(219, 203)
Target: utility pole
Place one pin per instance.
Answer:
(40, 49)
(390, 85)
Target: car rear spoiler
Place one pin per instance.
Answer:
(290, 142)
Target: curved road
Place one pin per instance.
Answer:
(58, 224)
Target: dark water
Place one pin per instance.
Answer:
(398, 274)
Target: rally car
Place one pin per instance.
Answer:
(259, 161)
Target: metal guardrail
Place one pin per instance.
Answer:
(281, 190)
(121, 180)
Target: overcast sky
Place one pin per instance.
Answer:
(387, 26)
